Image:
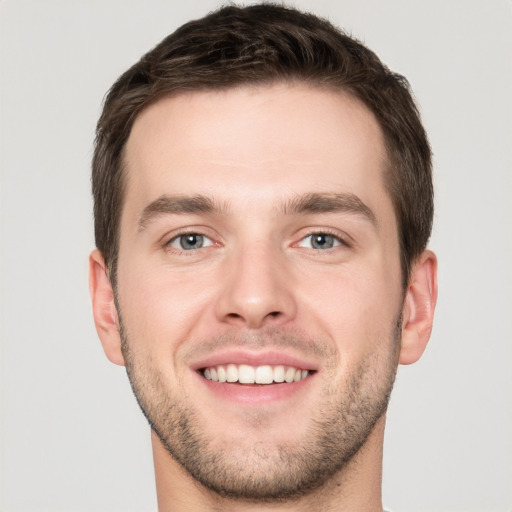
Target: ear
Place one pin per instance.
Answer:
(418, 310)
(104, 308)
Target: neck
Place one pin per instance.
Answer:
(355, 488)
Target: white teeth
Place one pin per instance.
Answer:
(221, 373)
(246, 374)
(264, 375)
(279, 373)
(231, 373)
(289, 375)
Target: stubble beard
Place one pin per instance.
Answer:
(337, 431)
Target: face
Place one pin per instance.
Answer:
(259, 284)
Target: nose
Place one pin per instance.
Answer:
(257, 290)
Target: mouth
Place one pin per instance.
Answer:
(246, 374)
(254, 378)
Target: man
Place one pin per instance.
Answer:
(263, 201)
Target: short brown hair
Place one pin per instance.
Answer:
(263, 44)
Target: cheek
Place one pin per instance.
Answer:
(357, 309)
(162, 308)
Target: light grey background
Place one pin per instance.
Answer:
(72, 437)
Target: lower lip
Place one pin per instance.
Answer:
(255, 394)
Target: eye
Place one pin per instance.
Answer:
(190, 242)
(320, 241)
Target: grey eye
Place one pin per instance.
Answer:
(190, 242)
(320, 241)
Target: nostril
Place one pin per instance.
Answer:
(254, 318)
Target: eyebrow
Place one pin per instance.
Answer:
(345, 202)
(303, 204)
(178, 204)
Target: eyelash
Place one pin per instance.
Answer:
(342, 241)
(168, 243)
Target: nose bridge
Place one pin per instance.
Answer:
(255, 290)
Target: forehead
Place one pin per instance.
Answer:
(252, 144)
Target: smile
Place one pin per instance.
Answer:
(246, 374)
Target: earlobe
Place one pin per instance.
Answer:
(419, 305)
(104, 308)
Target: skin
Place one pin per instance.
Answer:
(258, 286)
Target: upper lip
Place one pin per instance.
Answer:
(254, 358)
